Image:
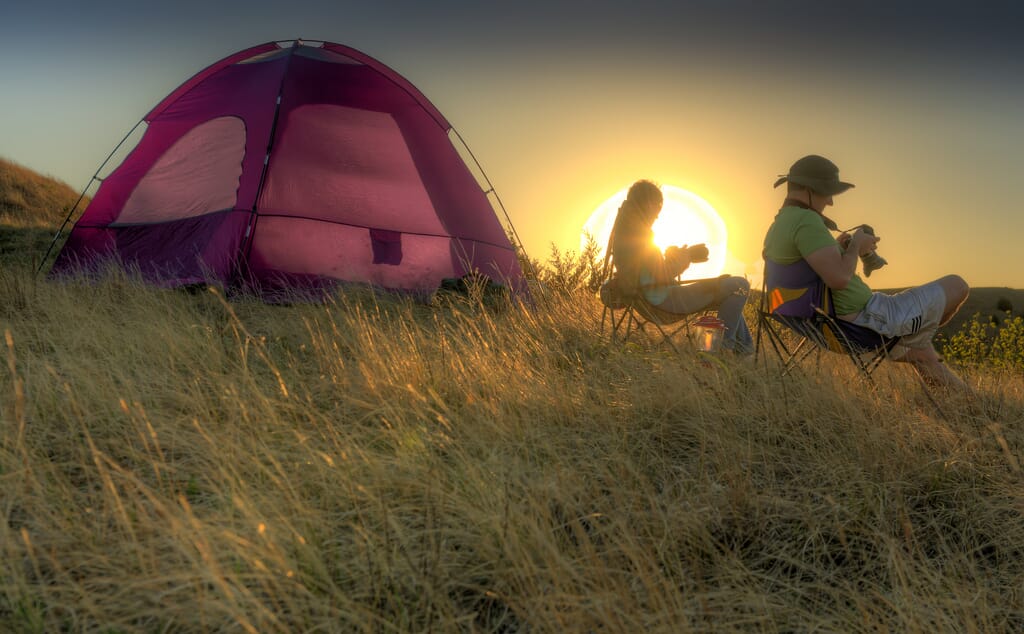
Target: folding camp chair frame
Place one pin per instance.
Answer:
(635, 313)
(816, 334)
(819, 330)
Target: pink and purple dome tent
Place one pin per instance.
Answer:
(294, 167)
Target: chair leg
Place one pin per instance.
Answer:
(666, 337)
(632, 325)
(803, 350)
(615, 322)
(790, 359)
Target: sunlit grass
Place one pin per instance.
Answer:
(175, 462)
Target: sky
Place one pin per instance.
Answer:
(920, 104)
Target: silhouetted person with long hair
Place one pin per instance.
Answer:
(642, 267)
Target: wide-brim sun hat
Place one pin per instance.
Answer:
(817, 173)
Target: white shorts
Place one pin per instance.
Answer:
(913, 315)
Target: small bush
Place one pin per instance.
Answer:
(568, 272)
(994, 345)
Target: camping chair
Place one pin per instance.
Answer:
(795, 298)
(629, 312)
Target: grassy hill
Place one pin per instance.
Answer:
(176, 462)
(32, 206)
(984, 302)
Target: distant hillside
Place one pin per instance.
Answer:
(32, 206)
(29, 199)
(986, 302)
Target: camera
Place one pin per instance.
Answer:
(871, 261)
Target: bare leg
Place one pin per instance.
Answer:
(935, 373)
(956, 290)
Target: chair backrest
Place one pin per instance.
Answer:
(794, 290)
(797, 297)
(618, 292)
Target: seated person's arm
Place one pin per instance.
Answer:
(678, 259)
(836, 266)
(657, 267)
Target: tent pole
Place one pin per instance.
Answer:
(250, 228)
(95, 177)
(491, 190)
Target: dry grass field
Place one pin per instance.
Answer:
(175, 462)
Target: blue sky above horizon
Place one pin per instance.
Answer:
(920, 104)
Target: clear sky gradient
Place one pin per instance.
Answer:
(921, 104)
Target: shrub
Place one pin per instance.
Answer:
(999, 346)
(568, 272)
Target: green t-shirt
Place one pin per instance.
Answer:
(798, 232)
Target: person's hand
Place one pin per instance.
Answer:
(863, 242)
(677, 258)
(698, 252)
(844, 240)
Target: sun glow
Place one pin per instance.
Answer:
(685, 218)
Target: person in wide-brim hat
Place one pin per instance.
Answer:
(801, 231)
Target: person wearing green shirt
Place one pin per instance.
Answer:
(801, 231)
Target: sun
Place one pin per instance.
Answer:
(685, 218)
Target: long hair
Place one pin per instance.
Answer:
(643, 201)
(637, 212)
(633, 226)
